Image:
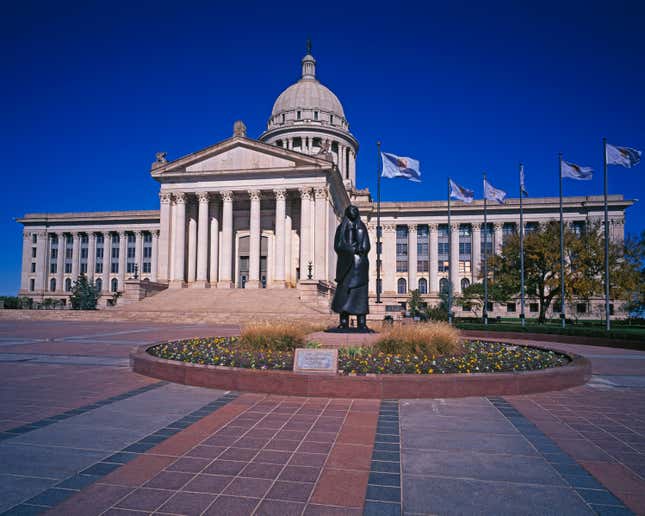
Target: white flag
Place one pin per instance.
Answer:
(624, 156)
(522, 186)
(573, 171)
(461, 193)
(400, 166)
(493, 194)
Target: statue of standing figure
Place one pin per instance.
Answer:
(352, 245)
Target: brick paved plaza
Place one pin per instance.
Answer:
(81, 434)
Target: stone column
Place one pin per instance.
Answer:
(123, 252)
(76, 255)
(305, 231)
(499, 237)
(279, 255)
(192, 245)
(26, 261)
(164, 237)
(388, 274)
(154, 259)
(433, 244)
(477, 250)
(454, 262)
(352, 166)
(214, 243)
(138, 251)
(225, 274)
(180, 240)
(288, 246)
(202, 240)
(320, 234)
(412, 257)
(254, 240)
(91, 255)
(41, 261)
(107, 260)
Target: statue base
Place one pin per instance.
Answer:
(349, 330)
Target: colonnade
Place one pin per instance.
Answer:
(201, 242)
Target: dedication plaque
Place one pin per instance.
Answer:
(316, 361)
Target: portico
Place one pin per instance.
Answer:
(245, 214)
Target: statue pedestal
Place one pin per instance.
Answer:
(377, 311)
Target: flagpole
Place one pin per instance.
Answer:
(378, 222)
(449, 259)
(522, 317)
(562, 311)
(604, 159)
(485, 311)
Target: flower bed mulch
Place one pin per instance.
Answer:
(476, 357)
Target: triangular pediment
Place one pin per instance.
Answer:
(240, 158)
(239, 155)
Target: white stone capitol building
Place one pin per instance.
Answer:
(261, 213)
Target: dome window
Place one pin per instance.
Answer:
(331, 119)
(315, 115)
(283, 118)
(298, 115)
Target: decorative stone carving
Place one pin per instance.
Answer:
(305, 193)
(161, 158)
(239, 128)
(321, 192)
(255, 195)
(433, 227)
(227, 195)
(164, 197)
(412, 228)
(203, 197)
(180, 197)
(389, 228)
(280, 194)
(476, 227)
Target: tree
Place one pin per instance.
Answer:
(84, 295)
(584, 265)
(415, 303)
(472, 298)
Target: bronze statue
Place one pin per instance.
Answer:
(352, 244)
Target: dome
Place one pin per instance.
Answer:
(308, 102)
(308, 94)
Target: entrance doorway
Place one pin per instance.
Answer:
(244, 262)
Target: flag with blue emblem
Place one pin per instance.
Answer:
(400, 166)
(573, 171)
(493, 194)
(461, 193)
(623, 156)
(522, 185)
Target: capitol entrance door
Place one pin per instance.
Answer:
(243, 264)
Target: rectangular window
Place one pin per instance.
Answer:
(510, 307)
(33, 252)
(54, 253)
(84, 268)
(464, 266)
(147, 267)
(530, 227)
(423, 265)
(401, 248)
(508, 229)
(315, 115)
(32, 284)
(33, 266)
(443, 246)
(68, 268)
(556, 307)
(34, 239)
(534, 307)
(298, 115)
(99, 268)
(331, 119)
(581, 308)
(488, 234)
(489, 307)
(53, 267)
(114, 268)
(401, 266)
(444, 265)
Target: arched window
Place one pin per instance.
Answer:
(115, 285)
(423, 286)
(402, 286)
(68, 285)
(465, 283)
(443, 285)
(52, 285)
(98, 284)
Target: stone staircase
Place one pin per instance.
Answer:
(223, 306)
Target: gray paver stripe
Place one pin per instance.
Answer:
(110, 334)
(583, 483)
(616, 357)
(93, 360)
(45, 499)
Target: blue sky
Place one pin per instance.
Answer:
(91, 91)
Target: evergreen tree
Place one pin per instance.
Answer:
(84, 295)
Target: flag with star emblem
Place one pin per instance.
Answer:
(573, 171)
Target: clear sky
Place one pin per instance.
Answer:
(91, 90)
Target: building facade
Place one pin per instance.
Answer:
(261, 213)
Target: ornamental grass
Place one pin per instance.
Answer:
(436, 338)
(276, 335)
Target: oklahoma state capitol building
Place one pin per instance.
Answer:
(261, 213)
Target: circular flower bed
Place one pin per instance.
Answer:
(476, 357)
